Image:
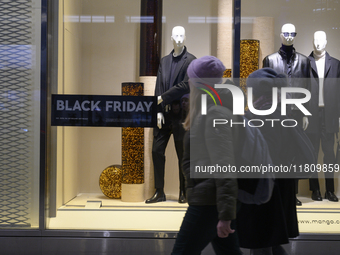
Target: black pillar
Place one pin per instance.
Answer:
(236, 38)
(150, 36)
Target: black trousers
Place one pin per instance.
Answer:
(198, 229)
(327, 145)
(160, 141)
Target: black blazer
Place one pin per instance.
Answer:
(163, 80)
(331, 95)
(163, 77)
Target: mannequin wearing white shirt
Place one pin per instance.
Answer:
(325, 111)
(319, 52)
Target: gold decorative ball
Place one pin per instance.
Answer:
(110, 181)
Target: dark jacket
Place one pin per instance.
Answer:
(274, 222)
(331, 95)
(297, 68)
(212, 146)
(180, 74)
(180, 86)
(163, 79)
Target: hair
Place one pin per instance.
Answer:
(195, 102)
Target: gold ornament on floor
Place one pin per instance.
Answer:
(110, 181)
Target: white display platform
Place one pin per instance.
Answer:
(94, 211)
(318, 216)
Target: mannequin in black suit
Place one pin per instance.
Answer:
(296, 66)
(324, 106)
(172, 71)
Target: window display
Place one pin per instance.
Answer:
(94, 60)
(99, 49)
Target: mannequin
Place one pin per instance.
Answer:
(171, 72)
(324, 106)
(295, 66)
(291, 63)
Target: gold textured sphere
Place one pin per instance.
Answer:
(110, 181)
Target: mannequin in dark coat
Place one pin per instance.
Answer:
(324, 106)
(172, 70)
(295, 65)
(297, 68)
(264, 228)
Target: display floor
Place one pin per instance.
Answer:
(318, 216)
(97, 212)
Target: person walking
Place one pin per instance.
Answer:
(212, 199)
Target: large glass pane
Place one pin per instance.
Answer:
(19, 113)
(99, 49)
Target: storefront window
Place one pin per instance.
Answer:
(99, 49)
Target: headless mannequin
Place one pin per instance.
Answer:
(326, 137)
(178, 39)
(171, 72)
(319, 52)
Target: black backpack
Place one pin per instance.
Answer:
(258, 188)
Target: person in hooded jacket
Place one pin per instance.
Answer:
(264, 228)
(212, 199)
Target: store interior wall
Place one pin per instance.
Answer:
(307, 16)
(69, 138)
